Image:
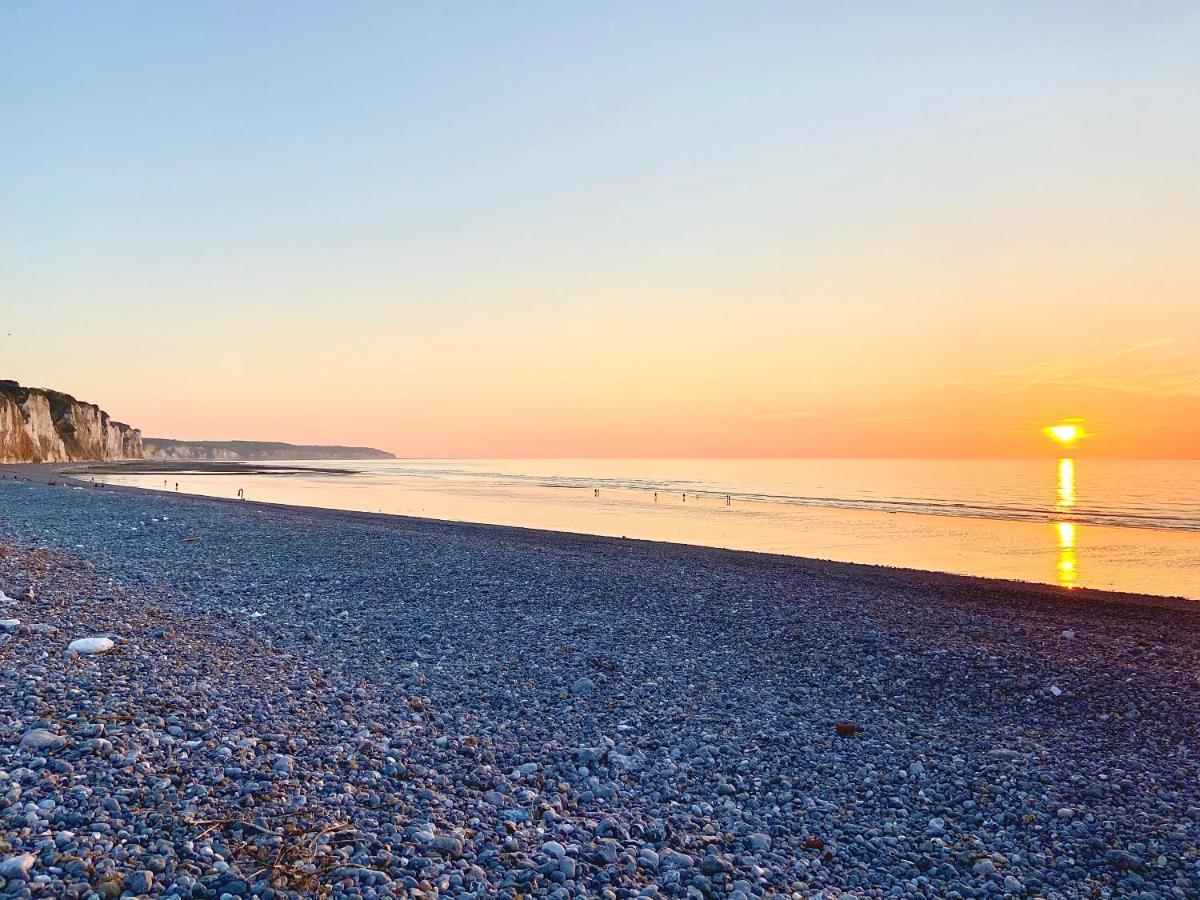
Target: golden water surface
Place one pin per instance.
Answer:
(675, 501)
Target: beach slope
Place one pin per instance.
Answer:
(349, 704)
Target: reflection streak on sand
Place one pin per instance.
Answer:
(1068, 574)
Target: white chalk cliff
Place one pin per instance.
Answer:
(38, 425)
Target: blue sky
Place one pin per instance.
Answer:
(267, 183)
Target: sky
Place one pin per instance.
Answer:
(609, 229)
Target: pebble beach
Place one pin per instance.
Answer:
(288, 702)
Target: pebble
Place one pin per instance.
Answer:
(984, 867)
(758, 842)
(90, 646)
(449, 845)
(42, 739)
(17, 868)
(1123, 859)
(139, 882)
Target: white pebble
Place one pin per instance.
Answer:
(91, 646)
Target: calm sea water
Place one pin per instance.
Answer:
(1123, 525)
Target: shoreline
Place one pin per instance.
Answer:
(192, 467)
(494, 711)
(1057, 593)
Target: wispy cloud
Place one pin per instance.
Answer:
(842, 417)
(884, 418)
(784, 415)
(1142, 346)
(1147, 367)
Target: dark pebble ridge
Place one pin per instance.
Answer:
(304, 703)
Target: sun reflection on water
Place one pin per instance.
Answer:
(1066, 483)
(1068, 574)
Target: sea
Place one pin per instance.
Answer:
(1124, 525)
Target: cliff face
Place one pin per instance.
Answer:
(38, 425)
(167, 448)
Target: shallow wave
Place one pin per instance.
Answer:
(1005, 511)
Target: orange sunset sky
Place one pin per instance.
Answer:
(629, 231)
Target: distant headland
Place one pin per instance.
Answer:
(168, 448)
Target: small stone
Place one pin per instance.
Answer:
(42, 739)
(448, 844)
(984, 867)
(112, 888)
(10, 624)
(555, 849)
(16, 868)
(846, 729)
(140, 882)
(1055, 690)
(582, 687)
(90, 646)
(758, 842)
(1013, 885)
(711, 865)
(674, 858)
(1123, 859)
(607, 851)
(1070, 636)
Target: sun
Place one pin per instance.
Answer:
(1066, 433)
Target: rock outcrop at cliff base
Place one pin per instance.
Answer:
(38, 425)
